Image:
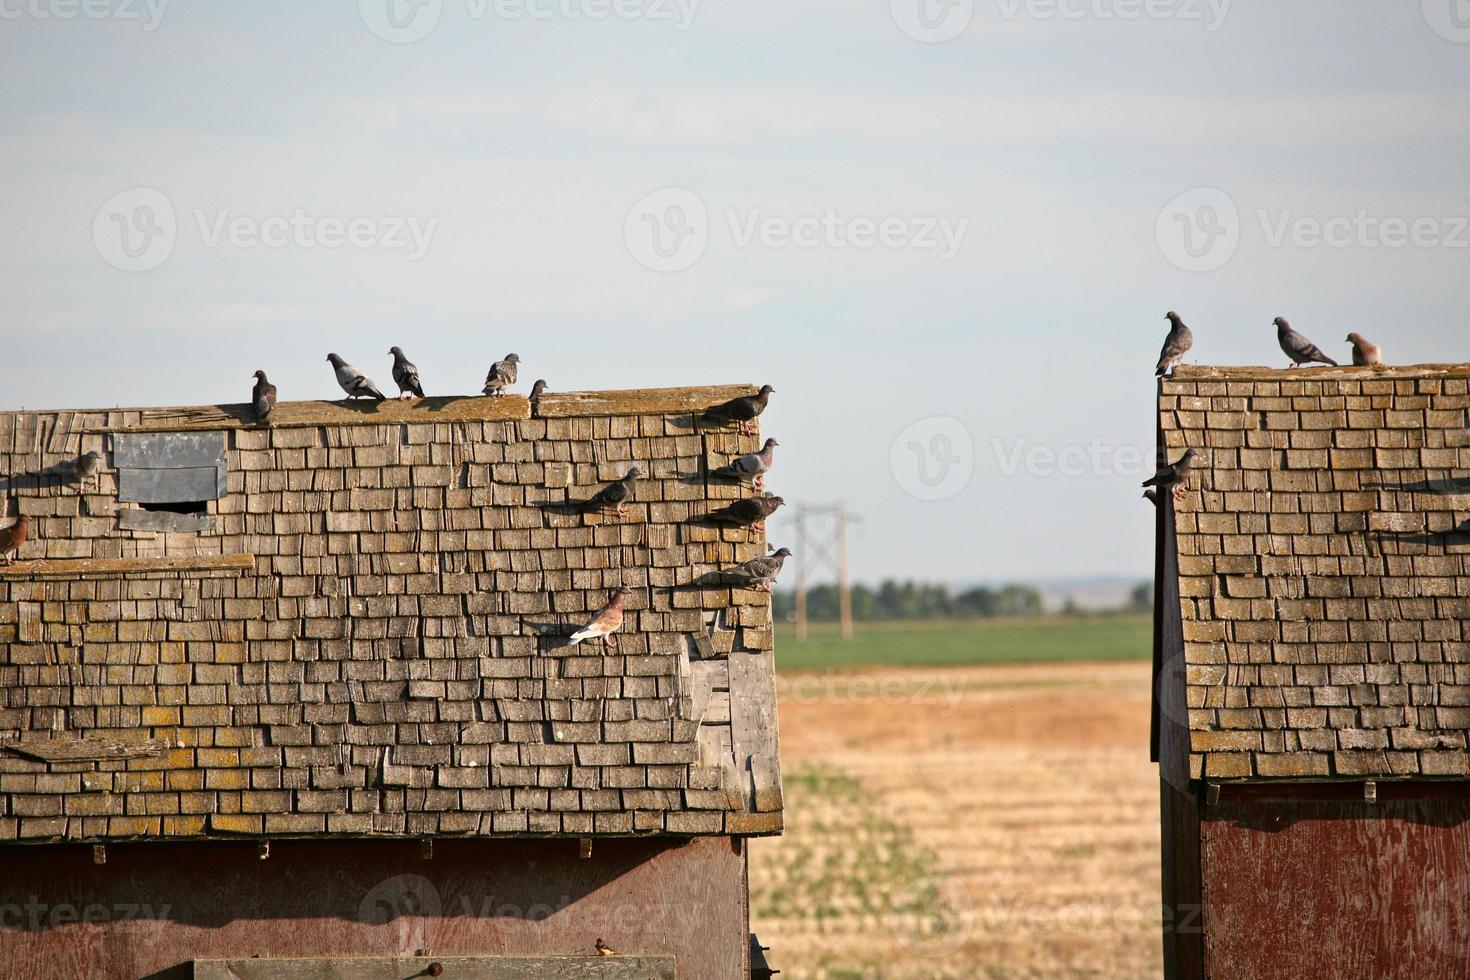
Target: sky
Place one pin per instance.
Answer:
(946, 231)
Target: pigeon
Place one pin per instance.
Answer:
(1152, 496)
(614, 494)
(405, 374)
(1174, 475)
(1365, 352)
(760, 573)
(1176, 345)
(603, 949)
(606, 622)
(751, 467)
(502, 375)
(85, 467)
(353, 381)
(743, 410)
(538, 389)
(750, 512)
(1298, 348)
(12, 537)
(263, 397)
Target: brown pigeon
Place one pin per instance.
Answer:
(12, 537)
(603, 949)
(1298, 348)
(752, 467)
(1365, 352)
(743, 410)
(614, 494)
(1176, 345)
(263, 397)
(750, 512)
(1174, 475)
(607, 621)
(502, 375)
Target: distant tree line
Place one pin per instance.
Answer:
(913, 600)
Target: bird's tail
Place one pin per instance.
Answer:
(581, 634)
(1329, 360)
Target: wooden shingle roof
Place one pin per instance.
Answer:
(1323, 553)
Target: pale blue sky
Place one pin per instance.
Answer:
(1054, 142)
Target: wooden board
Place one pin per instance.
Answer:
(162, 520)
(451, 408)
(648, 401)
(459, 967)
(83, 749)
(127, 566)
(753, 727)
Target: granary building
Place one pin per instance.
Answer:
(300, 700)
(1312, 668)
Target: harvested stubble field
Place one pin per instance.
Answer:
(984, 821)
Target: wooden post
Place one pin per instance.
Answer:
(844, 586)
(801, 574)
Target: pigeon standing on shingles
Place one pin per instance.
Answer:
(502, 375)
(760, 573)
(743, 410)
(1174, 475)
(1298, 348)
(538, 389)
(1176, 345)
(603, 949)
(353, 381)
(85, 467)
(751, 467)
(1365, 352)
(607, 621)
(263, 398)
(12, 537)
(750, 512)
(405, 374)
(614, 494)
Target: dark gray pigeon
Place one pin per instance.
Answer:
(1174, 475)
(502, 375)
(538, 389)
(751, 467)
(750, 512)
(760, 573)
(263, 398)
(1176, 345)
(743, 410)
(405, 374)
(85, 467)
(353, 381)
(1298, 348)
(614, 494)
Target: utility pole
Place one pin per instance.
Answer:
(828, 548)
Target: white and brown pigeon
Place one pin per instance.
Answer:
(405, 375)
(353, 381)
(760, 573)
(263, 399)
(750, 467)
(1175, 475)
(1365, 352)
(615, 494)
(607, 621)
(1299, 348)
(12, 537)
(502, 375)
(1176, 345)
(743, 410)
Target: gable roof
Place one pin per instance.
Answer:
(1323, 553)
(365, 637)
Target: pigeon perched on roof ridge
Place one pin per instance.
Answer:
(615, 493)
(263, 398)
(752, 466)
(1298, 348)
(502, 375)
(760, 573)
(607, 621)
(1365, 352)
(354, 382)
(405, 374)
(538, 389)
(1174, 475)
(744, 409)
(1178, 342)
(12, 537)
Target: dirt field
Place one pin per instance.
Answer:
(964, 822)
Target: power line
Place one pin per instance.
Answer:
(826, 545)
